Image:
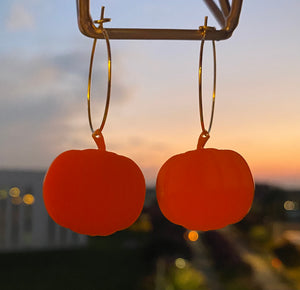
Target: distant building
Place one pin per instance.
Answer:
(279, 209)
(24, 221)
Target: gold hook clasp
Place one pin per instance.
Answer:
(204, 29)
(102, 19)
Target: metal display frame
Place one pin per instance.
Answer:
(225, 13)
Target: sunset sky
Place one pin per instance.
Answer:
(154, 109)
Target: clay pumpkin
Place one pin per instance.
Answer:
(93, 191)
(205, 189)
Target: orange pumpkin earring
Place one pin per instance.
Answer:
(94, 192)
(205, 189)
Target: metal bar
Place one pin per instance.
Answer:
(225, 7)
(214, 9)
(232, 20)
(160, 34)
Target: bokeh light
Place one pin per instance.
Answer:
(193, 236)
(14, 192)
(289, 205)
(28, 199)
(180, 263)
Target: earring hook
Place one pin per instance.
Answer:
(102, 19)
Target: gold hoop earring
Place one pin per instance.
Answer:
(205, 189)
(94, 192)
(204, 136)
(97, 134)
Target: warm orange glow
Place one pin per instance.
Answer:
(28, 199)
(14, 192)
(276, 263)
(277, 167)
(193, 236)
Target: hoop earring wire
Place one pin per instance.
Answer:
(99, 130)
(205, 133)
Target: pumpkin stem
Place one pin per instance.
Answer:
(99, 139)
(204, 136)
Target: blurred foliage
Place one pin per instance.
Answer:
(294, 276)
(143, 224)
(288, 254)
(168, 277)
(259, 234)
(259, 238)
(243, 282)
(186, 278)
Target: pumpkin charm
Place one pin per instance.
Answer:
(94, 191)
(205, 189)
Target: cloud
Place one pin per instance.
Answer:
(36, 96)
(43, 105)
(20, 18)
(36, 82)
